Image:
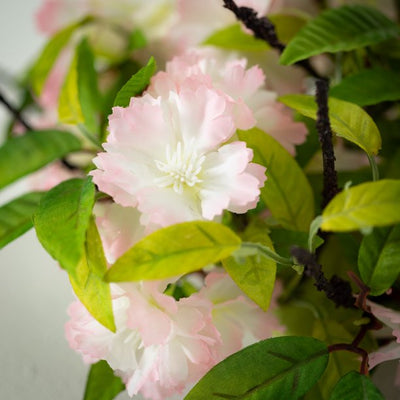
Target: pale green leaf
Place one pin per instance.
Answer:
(363, 206)
(16, 217)
(287, 192)
(88, 91)
(136, 84)
(22, 155)
(175, 250)
(101, 383)
(256, 275)
(340, 29)
(278, 368)
(354, 386)
(41, 68)
(62, 220)
(368, 87)
(379, 259)
(88, 283)
(234, 37)
(69, 107)
(347, 120)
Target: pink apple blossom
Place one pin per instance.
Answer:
(163, 345)
(169, 157)
(245, 87)
(391, 318)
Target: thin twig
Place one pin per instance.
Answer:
(330, 186)
(14, 112)
(263, 29)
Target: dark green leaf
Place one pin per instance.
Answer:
(286, 192)
(88, 91)
(354, 386)
(340, 29)
(256, 275)
(379, 259)
(363, 206)
(22, 155)
(89, 285)
(175, 250)
(347, 119)
(16, 217)
(278, 368)
(370, 86)
(136, 84)
(50, 53)
(62, 220)
(101, 383)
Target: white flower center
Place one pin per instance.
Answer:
(181, 167)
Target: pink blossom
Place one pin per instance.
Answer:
(244, 87)
(160, 345)
(391, 318)
(167, 156)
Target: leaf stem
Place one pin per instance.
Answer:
(353, 349)
(374, 167)
(268, 253)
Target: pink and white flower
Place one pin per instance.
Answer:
(243, 87)
(163, 345)
(168, 156)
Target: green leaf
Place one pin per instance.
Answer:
(340, 29)
(89, 285)
(347, 120)
(88, 91)
(256, 275)
(136, 84)
(354, 386)
(137, 40)
(101, 383)
(368, 87)
(363, 206)
(379, 259)
(16, 217)
(286, 192)
(278, 368)
(22, 155)
(175, 250)
(69, 107)
(50, 53)
(234, 37)
(62, 220)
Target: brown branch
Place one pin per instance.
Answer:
(330, 186)
(13, 110)
(353, 349)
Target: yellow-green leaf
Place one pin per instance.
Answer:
(347, 120)
(256, 275)
(88, 283)
(287, 192)
(175, 250)
(363, 206)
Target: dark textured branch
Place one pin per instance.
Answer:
(263, 29)
(14, 112)
(330, 188)
(336, 289)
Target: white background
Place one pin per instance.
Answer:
(35, 360)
